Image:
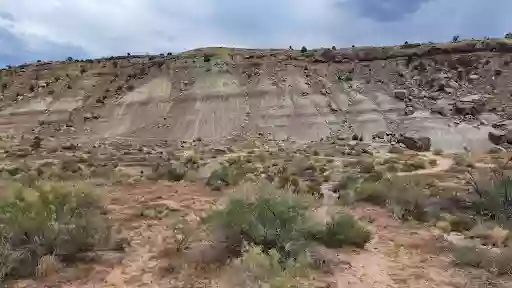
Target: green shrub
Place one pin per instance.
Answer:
(493, 195)
(462, 160)
(438, 151)
(348, 182)
(366, 166)
(419, 164)
(259, 269)
(508, 35)
(343, 231)
(344, 76)
(432, 162)
(408, 199)
(226, 175)
(372, 192)
(48, 219)
(303, 50)
(278, 220)
(469, 256)
(374, 176)
(269, 221)
(404, 196)
(498, 263)
(174, 172)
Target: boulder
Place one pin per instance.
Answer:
(419, 144)
(508, 137)
(497, 137)
(452, 84)
(502, 124)
(400, 94)
(471, 105)
(379, 135)
(409, 110)
(443, 110)
(474, 77)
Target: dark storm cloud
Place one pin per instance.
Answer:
(385, 10)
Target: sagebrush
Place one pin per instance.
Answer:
(278, 220)
(48, 219)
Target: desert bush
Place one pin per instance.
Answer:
(48, 219)
(414, 165)
(459, 222)
(259, 269)
(438, 151)
(269, 221)
(508, 35)
(404, 196)
(462, 160)
(372, 192)
(498, 263)
(173, 171)
(366, 166)
(493, 195)
(469, 256)
(344, 230)
(432, 162)
(408, 200)
(226, 175)
(392, 168)
(344, 76)
(278, 220)
(303, 50)
(419, 164)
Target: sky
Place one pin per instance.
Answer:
(33, 30)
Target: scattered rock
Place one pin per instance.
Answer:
(470, 105)
(452, 84)
(69, 146)
(409, 110)
(379, 135)
(419, 144)
(508, 137)
(443, 110)
(400, 94)
(496, 137)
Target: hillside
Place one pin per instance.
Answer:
(382, 167)
(285, 93)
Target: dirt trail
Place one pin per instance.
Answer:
(443, 164)
(396, 256)
(149, 235)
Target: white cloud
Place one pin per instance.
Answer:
(106, 27)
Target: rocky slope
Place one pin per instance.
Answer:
(455, 94)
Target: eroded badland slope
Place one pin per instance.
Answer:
(286, 93)
(354, 167)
